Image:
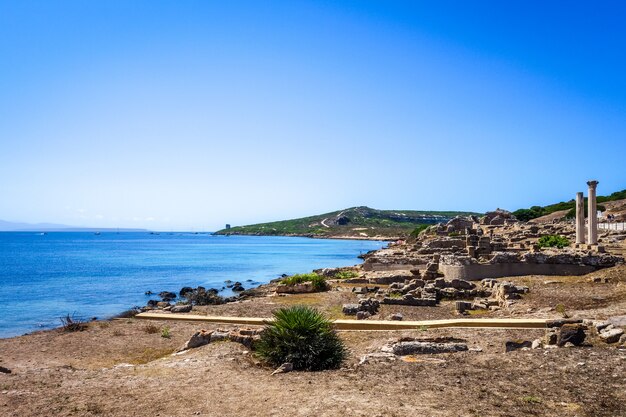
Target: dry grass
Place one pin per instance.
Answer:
(151, 329)
(150, 354)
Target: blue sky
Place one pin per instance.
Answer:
(192, 114)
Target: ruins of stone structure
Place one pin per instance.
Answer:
(471, 248)
(592, 216)
(580, 218)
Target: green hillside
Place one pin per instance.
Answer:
(538, 211)
(355, 222)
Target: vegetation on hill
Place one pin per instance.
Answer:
(355, 221)
(538, 211)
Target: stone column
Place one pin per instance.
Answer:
(592, 223)
(580, 218)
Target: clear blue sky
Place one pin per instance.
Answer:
(192, 114)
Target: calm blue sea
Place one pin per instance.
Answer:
(43, 277)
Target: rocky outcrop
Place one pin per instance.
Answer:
(247, 337)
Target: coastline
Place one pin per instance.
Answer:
(248, 293)
(106, 361)
(380, 238)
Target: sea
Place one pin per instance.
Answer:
(44, 277)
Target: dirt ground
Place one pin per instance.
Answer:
(125, 367)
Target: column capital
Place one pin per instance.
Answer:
(592, 183)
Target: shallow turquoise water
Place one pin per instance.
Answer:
(44, 277)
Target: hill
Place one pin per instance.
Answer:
(355, 222)
(612, 204)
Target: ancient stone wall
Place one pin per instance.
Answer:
(480, 271)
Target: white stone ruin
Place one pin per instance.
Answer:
(592, 220)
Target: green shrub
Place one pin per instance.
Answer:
(318, 281)
(165, 332)
(419, 229)
(346, 275)
(302, 336)
(553, 241)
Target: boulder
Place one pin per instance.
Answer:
(284, 368)
(184, 291)
(461, 284)
(512, 345)
(181, 308)
(167, 295)
(200, 338)
(611, 335)
(397, 317)
(359, 290)
(424, 347)
(572, 333)
(219, 335)
(370, 305)
(304, 287)
(246, 337)
(362, 315)
(350, 309)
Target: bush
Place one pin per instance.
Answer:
(72, 324)
(419, 229)
(553, 241)
(318, 281)
(302, 336)
(346, 275)
(151, 329)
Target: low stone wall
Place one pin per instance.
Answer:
(391, 266)
(480, 271)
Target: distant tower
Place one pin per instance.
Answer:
(227, 226)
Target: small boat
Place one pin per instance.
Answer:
(97, 233)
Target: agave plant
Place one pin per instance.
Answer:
(302, 336)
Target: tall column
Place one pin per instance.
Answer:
(580, 218)
(593, 213)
